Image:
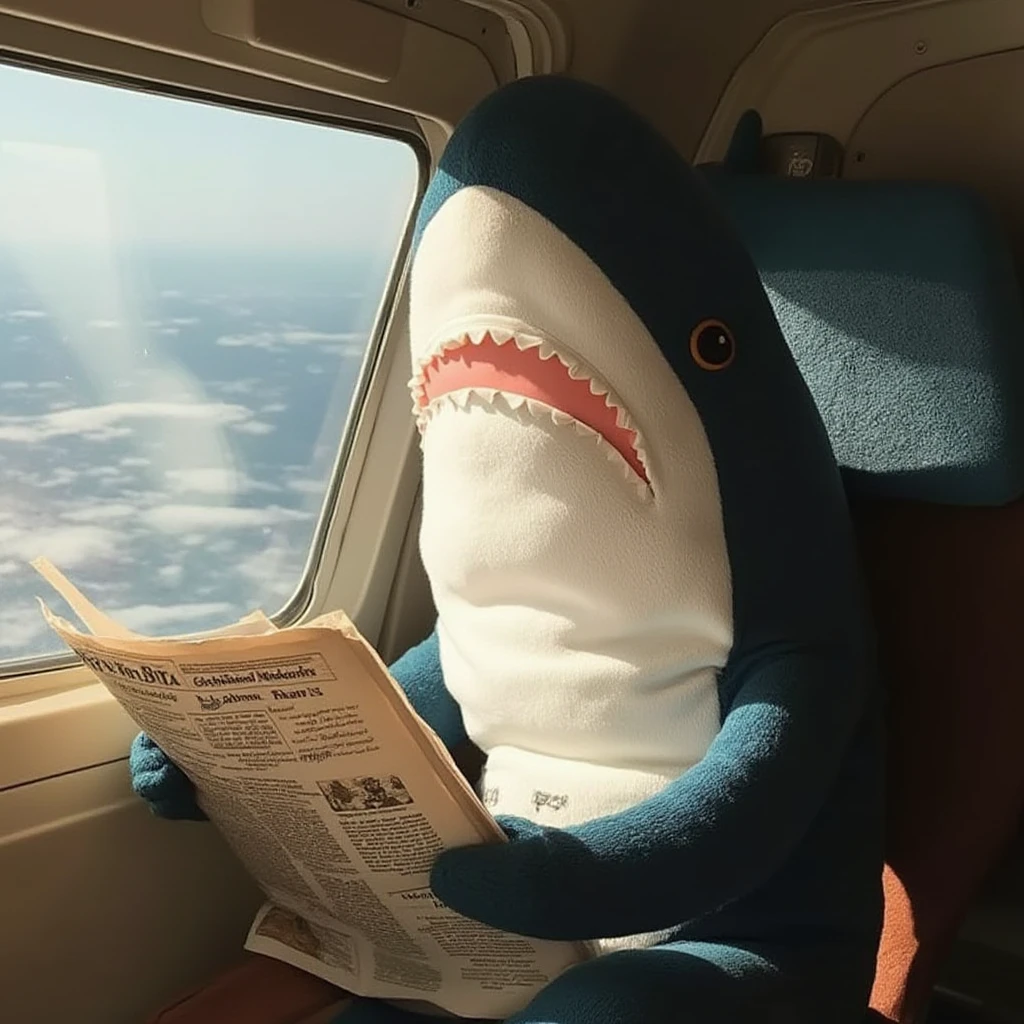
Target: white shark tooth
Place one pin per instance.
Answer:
(501, 336)
(577, 372)
(513, 401)
(597, 388)
(546, 351)
(561, 418)
(623, 420)
(524, 342)
(477, 336)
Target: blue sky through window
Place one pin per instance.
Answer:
(186, 296)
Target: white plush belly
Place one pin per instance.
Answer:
(558, 792)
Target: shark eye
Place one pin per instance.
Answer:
(712, 345)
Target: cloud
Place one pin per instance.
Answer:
(239, 387)
(146, 618)
(279, 341)
(264, 340)
(10, 568)
(101, 422)
(217, 480)
(134, 461)
(23, 631)
(307, 337)
(66, 546)
(26, 314)
(49, 385)
(305, 485)
(255, 427)
(274, 407)
(170, 574)
(190, 518)
(58, 477)
(104, 325)
(14, 385)
(272, 574)
(356, 350)
(100, 513)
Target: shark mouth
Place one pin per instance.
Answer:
(526, 373)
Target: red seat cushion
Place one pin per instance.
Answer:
(257, 991)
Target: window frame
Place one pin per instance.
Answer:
(63, 720)
(50, 672)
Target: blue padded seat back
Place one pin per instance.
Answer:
(903, 311)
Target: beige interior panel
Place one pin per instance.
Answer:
(182, 30)
(671, 60)
(819, 70)
(960, 123)
(107, 911)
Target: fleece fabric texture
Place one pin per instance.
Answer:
(764, 859)
(901, 305)
(586, 668)
(170, 794)
(678, 983)
(776, 834)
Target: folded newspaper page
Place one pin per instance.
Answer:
(332, 792)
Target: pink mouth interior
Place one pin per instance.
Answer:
(516, 371)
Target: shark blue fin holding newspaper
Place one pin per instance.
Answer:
(650, 617)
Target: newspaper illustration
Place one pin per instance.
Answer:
(334, 795)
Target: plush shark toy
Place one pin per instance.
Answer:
(649, 612)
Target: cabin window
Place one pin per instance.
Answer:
(189, 294)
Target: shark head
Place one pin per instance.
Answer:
(608, 410)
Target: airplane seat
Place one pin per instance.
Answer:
(901, 305)
(902, 308)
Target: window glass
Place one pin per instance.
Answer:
(187, 294)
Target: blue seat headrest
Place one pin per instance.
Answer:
(902, 308)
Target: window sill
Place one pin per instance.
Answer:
(56, 733)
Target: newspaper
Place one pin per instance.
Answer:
(333, 793)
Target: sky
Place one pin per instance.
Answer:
(82, 162)
(186, 297)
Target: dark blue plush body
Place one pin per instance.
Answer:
(765, 859)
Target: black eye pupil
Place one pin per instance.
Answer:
(714, 346)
